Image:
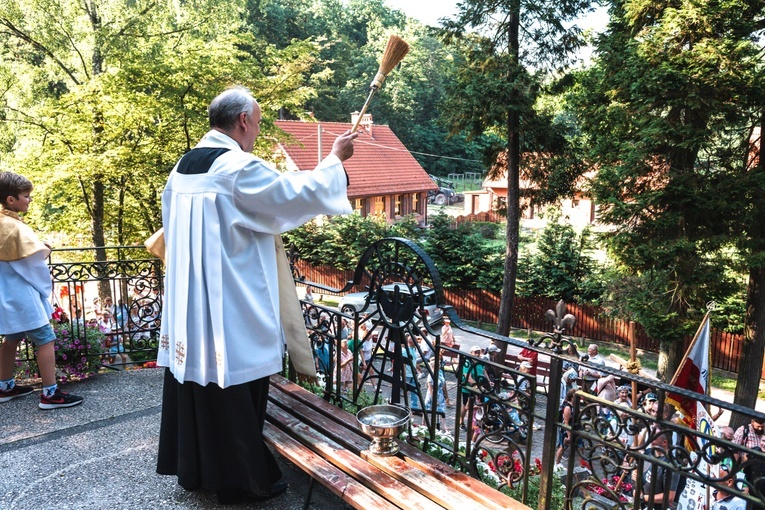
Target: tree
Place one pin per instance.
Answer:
(103, 98)
(561, 267)
(495, 89)
(663, 107)
(753, 246)
(463, 257)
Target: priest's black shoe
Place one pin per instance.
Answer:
(277, 489)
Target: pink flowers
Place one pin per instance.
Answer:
(615, 486)
(78, 354)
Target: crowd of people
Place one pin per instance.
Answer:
(120, 323)
(652, 438)
(579, 373)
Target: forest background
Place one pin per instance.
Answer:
(99, 98)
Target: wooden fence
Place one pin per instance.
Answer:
(528, 313)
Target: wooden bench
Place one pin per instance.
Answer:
(543, 370)
(449, 359)
(328, 444)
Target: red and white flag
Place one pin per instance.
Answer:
(693, 374)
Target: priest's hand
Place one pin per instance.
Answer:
(343, 146)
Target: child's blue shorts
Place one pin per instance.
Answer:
(40, 336)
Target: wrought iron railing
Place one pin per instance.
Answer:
(132, 282)
(511, 426)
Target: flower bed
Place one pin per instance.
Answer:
(77, 358)
(495, 470)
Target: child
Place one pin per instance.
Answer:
(25, 285)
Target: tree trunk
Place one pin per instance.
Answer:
(513, 183)
(750, 362)
(670, 356)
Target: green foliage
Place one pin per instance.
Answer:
(557, 499)
(463, 256)
(77, 354)
(103, 106)
(341, 240)
(667, 110)
(561, 267)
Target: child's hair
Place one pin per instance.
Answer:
(12, 184)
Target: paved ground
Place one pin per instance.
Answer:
(102, 454)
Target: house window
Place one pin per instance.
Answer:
(397, 208)
(379, 206)
(358, 205)
(415, 198)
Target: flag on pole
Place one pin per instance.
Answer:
(693, 374)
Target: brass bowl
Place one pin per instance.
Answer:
(384, 422)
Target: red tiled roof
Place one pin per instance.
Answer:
(381, 164)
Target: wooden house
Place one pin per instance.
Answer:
(385, 179)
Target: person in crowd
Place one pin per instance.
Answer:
(754, 474)
(368, 347)
(437, 388)
(586, 373)
(472, 373)
(565, 415)
(411, 370)
(447, 334)
(530, 356)
(649, 406)
(346, 366)
(606, 387)
(751, 434)
(655, 492)
(623, 399)
(78, 323)
(113, 339)
(570, 372)
(524, 383)
(427, 352)
(25, 286)
(724, 500)
(120, 313)
(221, 337)
(308, 294)
(345, 329)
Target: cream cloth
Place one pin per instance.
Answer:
(293, 326)
(17, 240)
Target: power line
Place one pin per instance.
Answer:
(454, 158)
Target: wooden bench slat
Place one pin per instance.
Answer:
(328, 425)
(458, 481)
(469, 488)
(433, 487)
(342, 458)
(340, 484)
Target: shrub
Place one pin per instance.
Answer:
(77, 355)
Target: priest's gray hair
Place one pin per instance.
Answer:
(225, 109)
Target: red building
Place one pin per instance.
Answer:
(385, 179)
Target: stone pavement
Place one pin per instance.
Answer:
(102, 454)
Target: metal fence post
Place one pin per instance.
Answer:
(547, 476)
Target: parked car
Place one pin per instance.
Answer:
(355, 301)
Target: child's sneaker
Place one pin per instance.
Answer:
(15, 392)
(59, 399)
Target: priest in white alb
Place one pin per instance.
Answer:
(222, 335)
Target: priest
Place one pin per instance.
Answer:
(222, 332)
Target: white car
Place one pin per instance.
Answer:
(355, 301)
